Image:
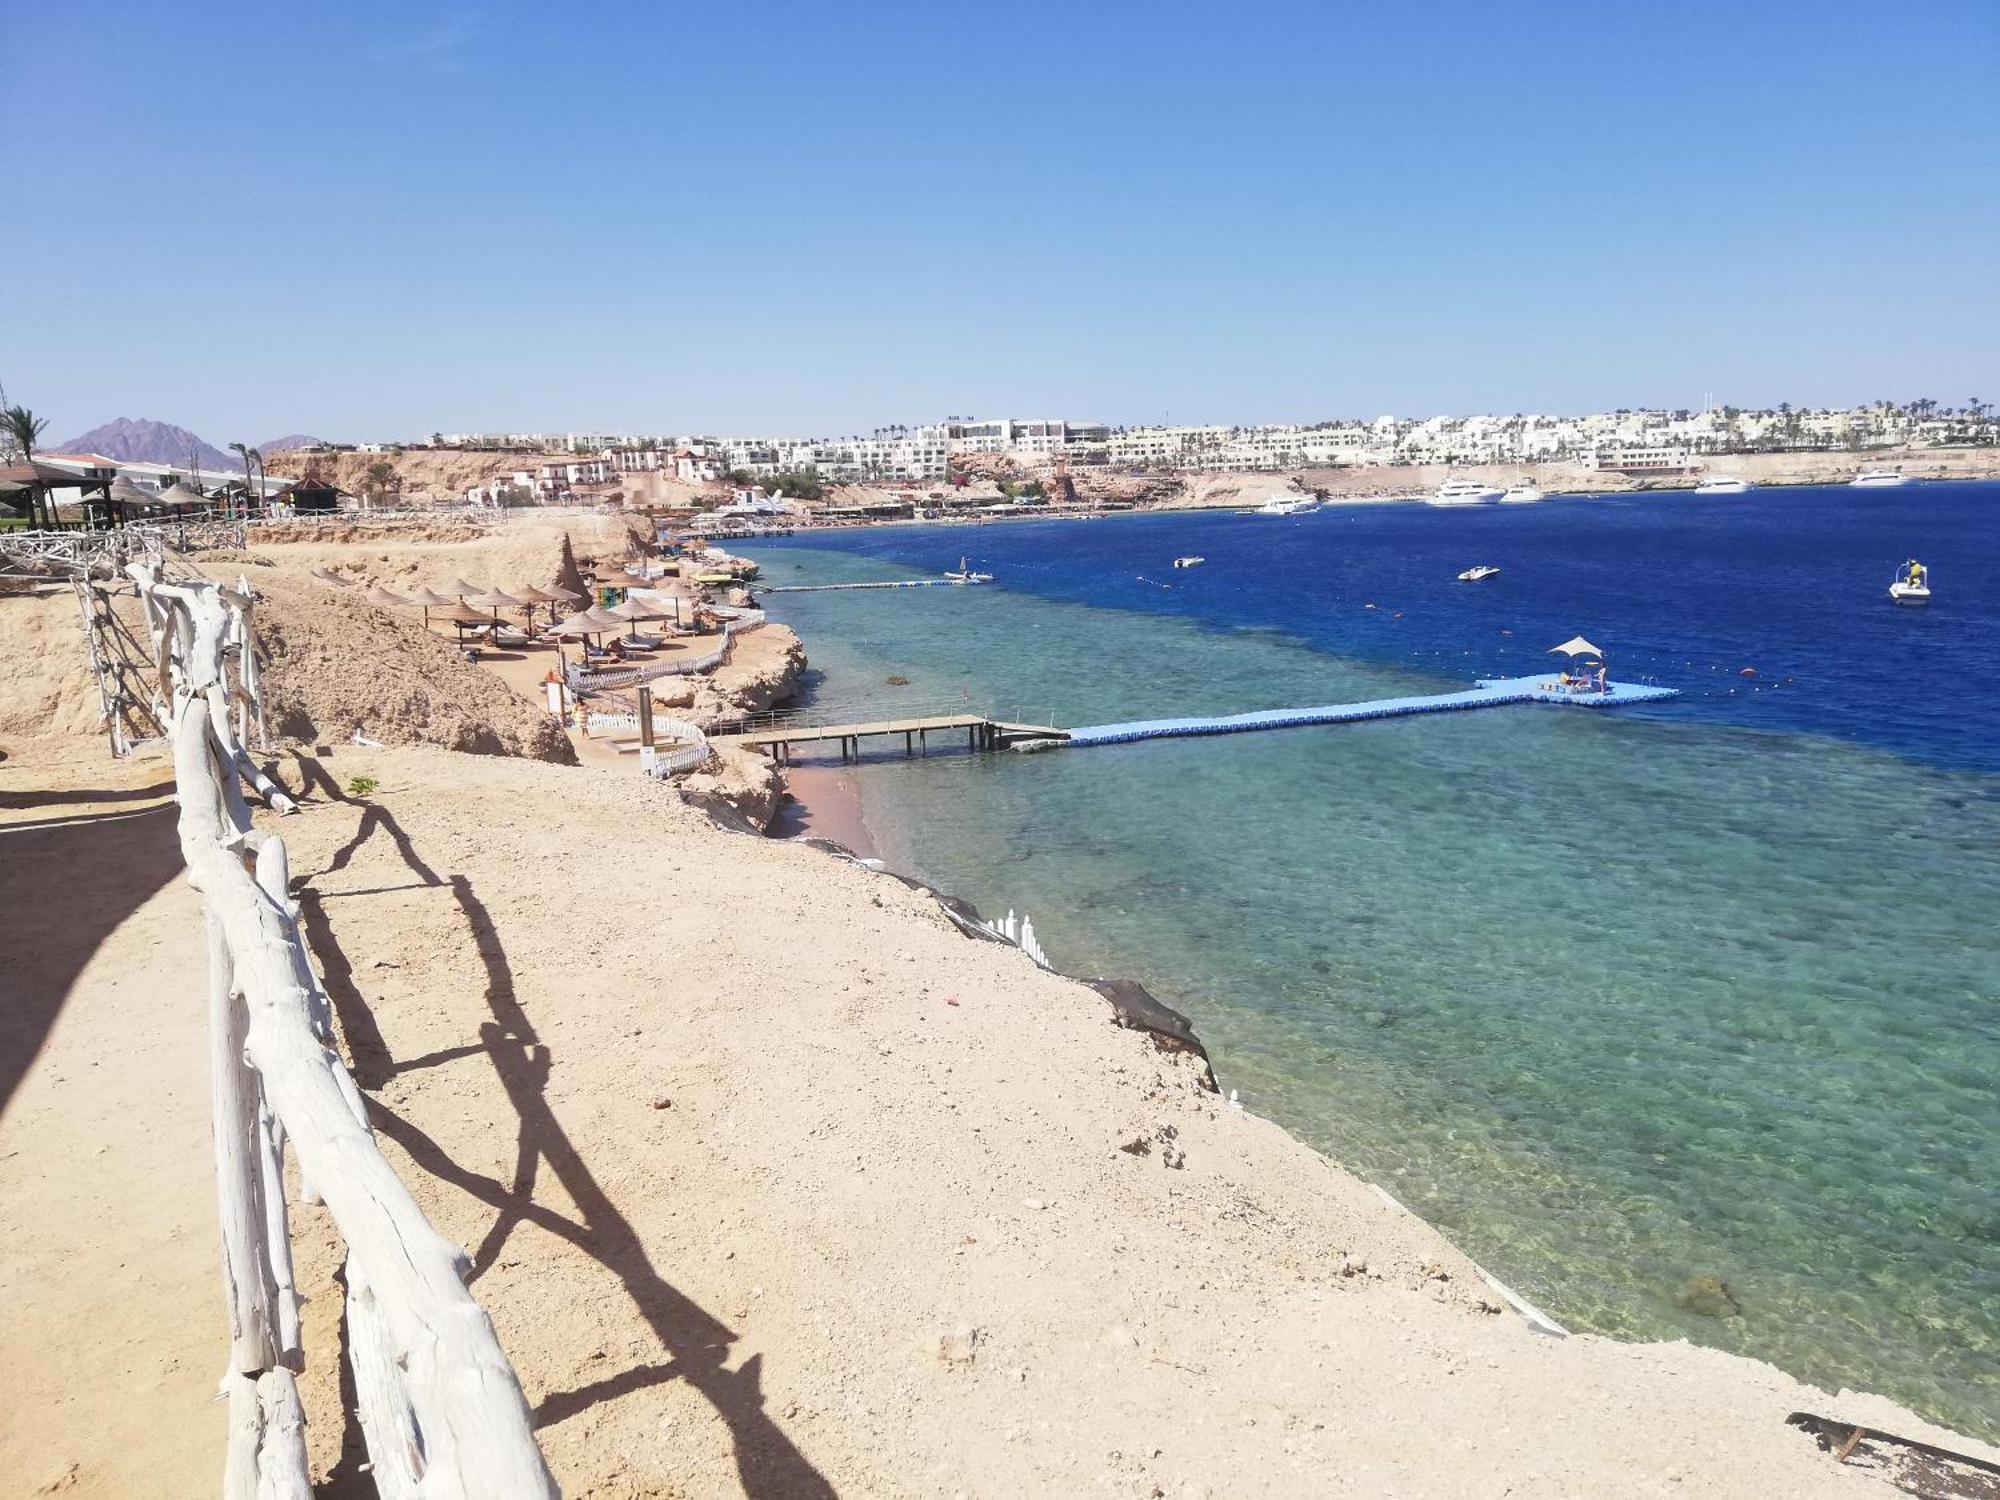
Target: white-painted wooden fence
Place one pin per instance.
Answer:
(440, 1407)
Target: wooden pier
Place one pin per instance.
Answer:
(981, 733)
(894, 583)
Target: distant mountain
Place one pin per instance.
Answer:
(287, 443)
(150, 442)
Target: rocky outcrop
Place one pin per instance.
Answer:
(764, 670)
(338, 667)
(739, 789)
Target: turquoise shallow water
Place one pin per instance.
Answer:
(1616, 1001)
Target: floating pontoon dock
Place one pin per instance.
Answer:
(1488, 693)
(776, 733)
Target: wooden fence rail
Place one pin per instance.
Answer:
(440, 1407)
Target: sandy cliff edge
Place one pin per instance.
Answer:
(777, 1185)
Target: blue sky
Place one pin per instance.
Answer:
(378, 219)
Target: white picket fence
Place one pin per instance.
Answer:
(1020, 931)
(671, 761)
(582, 680)
(440, 1407)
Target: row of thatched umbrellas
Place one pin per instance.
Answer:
(465, 605)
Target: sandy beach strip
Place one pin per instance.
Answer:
(825, 803)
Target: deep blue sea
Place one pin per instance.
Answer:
(1618, 1000)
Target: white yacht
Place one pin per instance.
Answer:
(1189, 562)
(1878, 479)
(1465, 493)
(1479, 574)
(1912, 585)
(1521, 494)
(1288, 505)
(964, 574)
(1722, 484)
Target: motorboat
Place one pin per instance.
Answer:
(963, 574)
(1878, 479)
(1521, 494)
(1465, 492)
(1479, 574)
(1189, 562)
(1288, 505)
(1722, 484)
(1912, 585)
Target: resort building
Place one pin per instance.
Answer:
(1638, 460)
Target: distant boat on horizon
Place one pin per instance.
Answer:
(1521, 494)
(1288, 505)
(1479, 574)
(1723, 484)
(1878, 479)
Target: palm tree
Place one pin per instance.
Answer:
(24, 429)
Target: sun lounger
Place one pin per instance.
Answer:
(510, 639)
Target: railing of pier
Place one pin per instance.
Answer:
(441, 1409)
(882, 711)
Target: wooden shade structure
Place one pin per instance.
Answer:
(39, 481)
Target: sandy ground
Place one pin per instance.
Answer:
(776, 1185)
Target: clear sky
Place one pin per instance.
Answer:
(375, 219)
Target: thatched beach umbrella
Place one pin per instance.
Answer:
(381, 598)
(561, 598)
(463, 617)
(126, 495)
(430, 599)
(496, 600)
(458, 588)
(183, 493)
(589, 622)
(634, 610)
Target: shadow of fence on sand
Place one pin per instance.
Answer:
(695, 1343)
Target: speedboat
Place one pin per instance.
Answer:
(1722, 484)
(1287, 505)
(1912, 585)
(1520, 494)
(1464, 492)
(964, 574)
(1878, 479)
(1189, 562)
(1479, 574)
